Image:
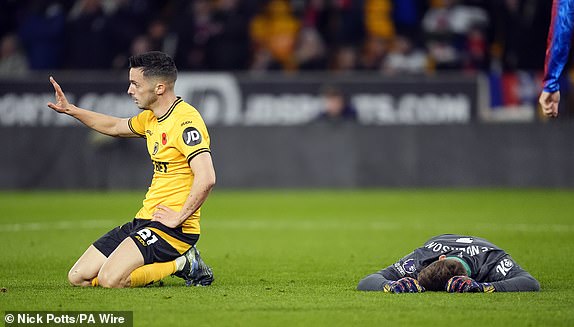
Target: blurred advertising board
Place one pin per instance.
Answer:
(255, 100)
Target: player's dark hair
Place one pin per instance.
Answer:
(435, 276)
(155, 64)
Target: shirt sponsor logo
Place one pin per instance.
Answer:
(160, 166)
(191, 136)
(504, 266)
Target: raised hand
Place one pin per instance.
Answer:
(62, 105)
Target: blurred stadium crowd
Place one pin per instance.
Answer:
(390, 36)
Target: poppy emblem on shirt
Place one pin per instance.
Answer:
(163, 138)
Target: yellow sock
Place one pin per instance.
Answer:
(95, 282)
(151, 273)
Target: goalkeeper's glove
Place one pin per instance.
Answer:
(464, 284)
(403, 285)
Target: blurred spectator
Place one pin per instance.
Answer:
(443, 55)
(344, 60)
(348, 23)
(475, 57)
(336, 108)
(378, 20)
(86, 34)
(446, 26)
(404, 58)
(42, 34)
(228, 45)
(195, 27)
(288, 35)
(126, 22)
(310, 51)
(407, 16)
(8, 16)
(451, 17)
(139, 45)
(160, 37)
(275, 31)
(521, 29)
(321, 16)
(373, 53)
(12, 60)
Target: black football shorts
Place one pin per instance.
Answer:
(157, 242)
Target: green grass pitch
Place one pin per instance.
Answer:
(293, 258)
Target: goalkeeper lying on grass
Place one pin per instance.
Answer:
(455, 264)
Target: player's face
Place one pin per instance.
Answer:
(141, 89)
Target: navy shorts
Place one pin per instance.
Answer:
(156, 242)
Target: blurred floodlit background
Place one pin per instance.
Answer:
(365, 92)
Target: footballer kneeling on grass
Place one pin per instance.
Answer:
(455, 264)
(161, 240)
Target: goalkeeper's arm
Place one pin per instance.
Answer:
(522, 282)
(373, 282)
(378, 282)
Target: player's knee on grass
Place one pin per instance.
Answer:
(75, 278)
(110, 280)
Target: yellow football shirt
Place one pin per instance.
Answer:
(172, 141)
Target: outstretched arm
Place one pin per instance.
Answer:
(518, 281)
(104, 124)
(522, 282)
(388, 281)
(374, 282)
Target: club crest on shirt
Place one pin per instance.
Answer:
(191, 136)
(155, 148)
(163, 138)
(409, 266)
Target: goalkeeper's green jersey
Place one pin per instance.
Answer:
(487, 263)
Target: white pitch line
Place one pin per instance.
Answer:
(57, 225)
(298, 225)
(310, 225)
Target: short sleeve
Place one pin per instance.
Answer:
(193, 138)
(137, 123)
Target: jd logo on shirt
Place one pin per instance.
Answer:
(191, 136)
